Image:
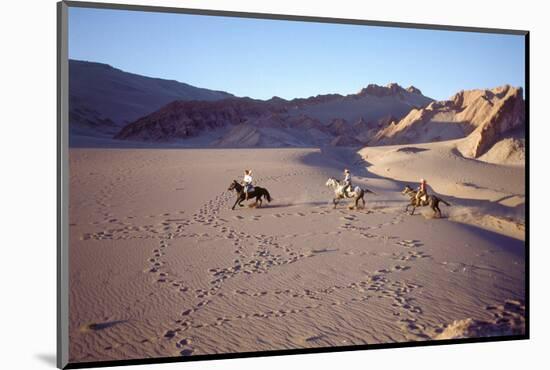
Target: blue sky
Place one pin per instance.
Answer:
(265, 58)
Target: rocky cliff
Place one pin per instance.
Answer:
(482, 116)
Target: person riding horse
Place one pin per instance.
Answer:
(421, 193)
(247, 182)
(421, 198)
(346, 182)
(256, 192)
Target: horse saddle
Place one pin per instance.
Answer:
(352, 192)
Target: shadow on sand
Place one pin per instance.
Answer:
(273, 204)
(334, 159)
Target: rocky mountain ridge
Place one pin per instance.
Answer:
(303, 122)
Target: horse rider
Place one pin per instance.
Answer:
(247, 182)
(421, 192)
(346, 182)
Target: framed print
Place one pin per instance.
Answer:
(241, 184)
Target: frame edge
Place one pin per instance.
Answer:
(288, 17)
(62, 189)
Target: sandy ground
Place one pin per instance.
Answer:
(160, 265)
(484, 194)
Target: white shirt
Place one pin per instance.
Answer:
(247, 179)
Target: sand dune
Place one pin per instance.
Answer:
(509, 150)
(488, 195)
(160, 265)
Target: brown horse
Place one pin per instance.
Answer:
(257, 193)
(430, 200)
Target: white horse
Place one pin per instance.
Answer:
(357, 193)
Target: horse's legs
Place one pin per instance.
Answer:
(335, 201)
(412, 212)
(259, 199)
(236, 201)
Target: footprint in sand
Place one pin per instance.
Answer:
(400, 268)
(170, 334)
(203, 303)
(412, 325)
(183, 342)
(349, 218)
(100, 326)
(410, 243)
(187, 312)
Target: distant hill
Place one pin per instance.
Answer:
(370, 104)
(243, 122)
(102, 99)
(110, 107)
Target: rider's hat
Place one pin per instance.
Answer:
(346, 170)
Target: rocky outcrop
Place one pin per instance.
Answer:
(339, 126)
(392, 89)
(308, 119)
(237, 122)
(313, 100)
(386, 121)
(482, 115)
(365, 131)
(181, 120)
(508, 114)
(346, 140)
(361, 125)
(106, 103)
(414, 90)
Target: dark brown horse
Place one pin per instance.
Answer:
(257, 193)
(431, 200)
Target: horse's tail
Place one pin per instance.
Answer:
(442, 201)
(267, 196)
(369, 191)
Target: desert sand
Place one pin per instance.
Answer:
(487, 195)
(161, 266)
